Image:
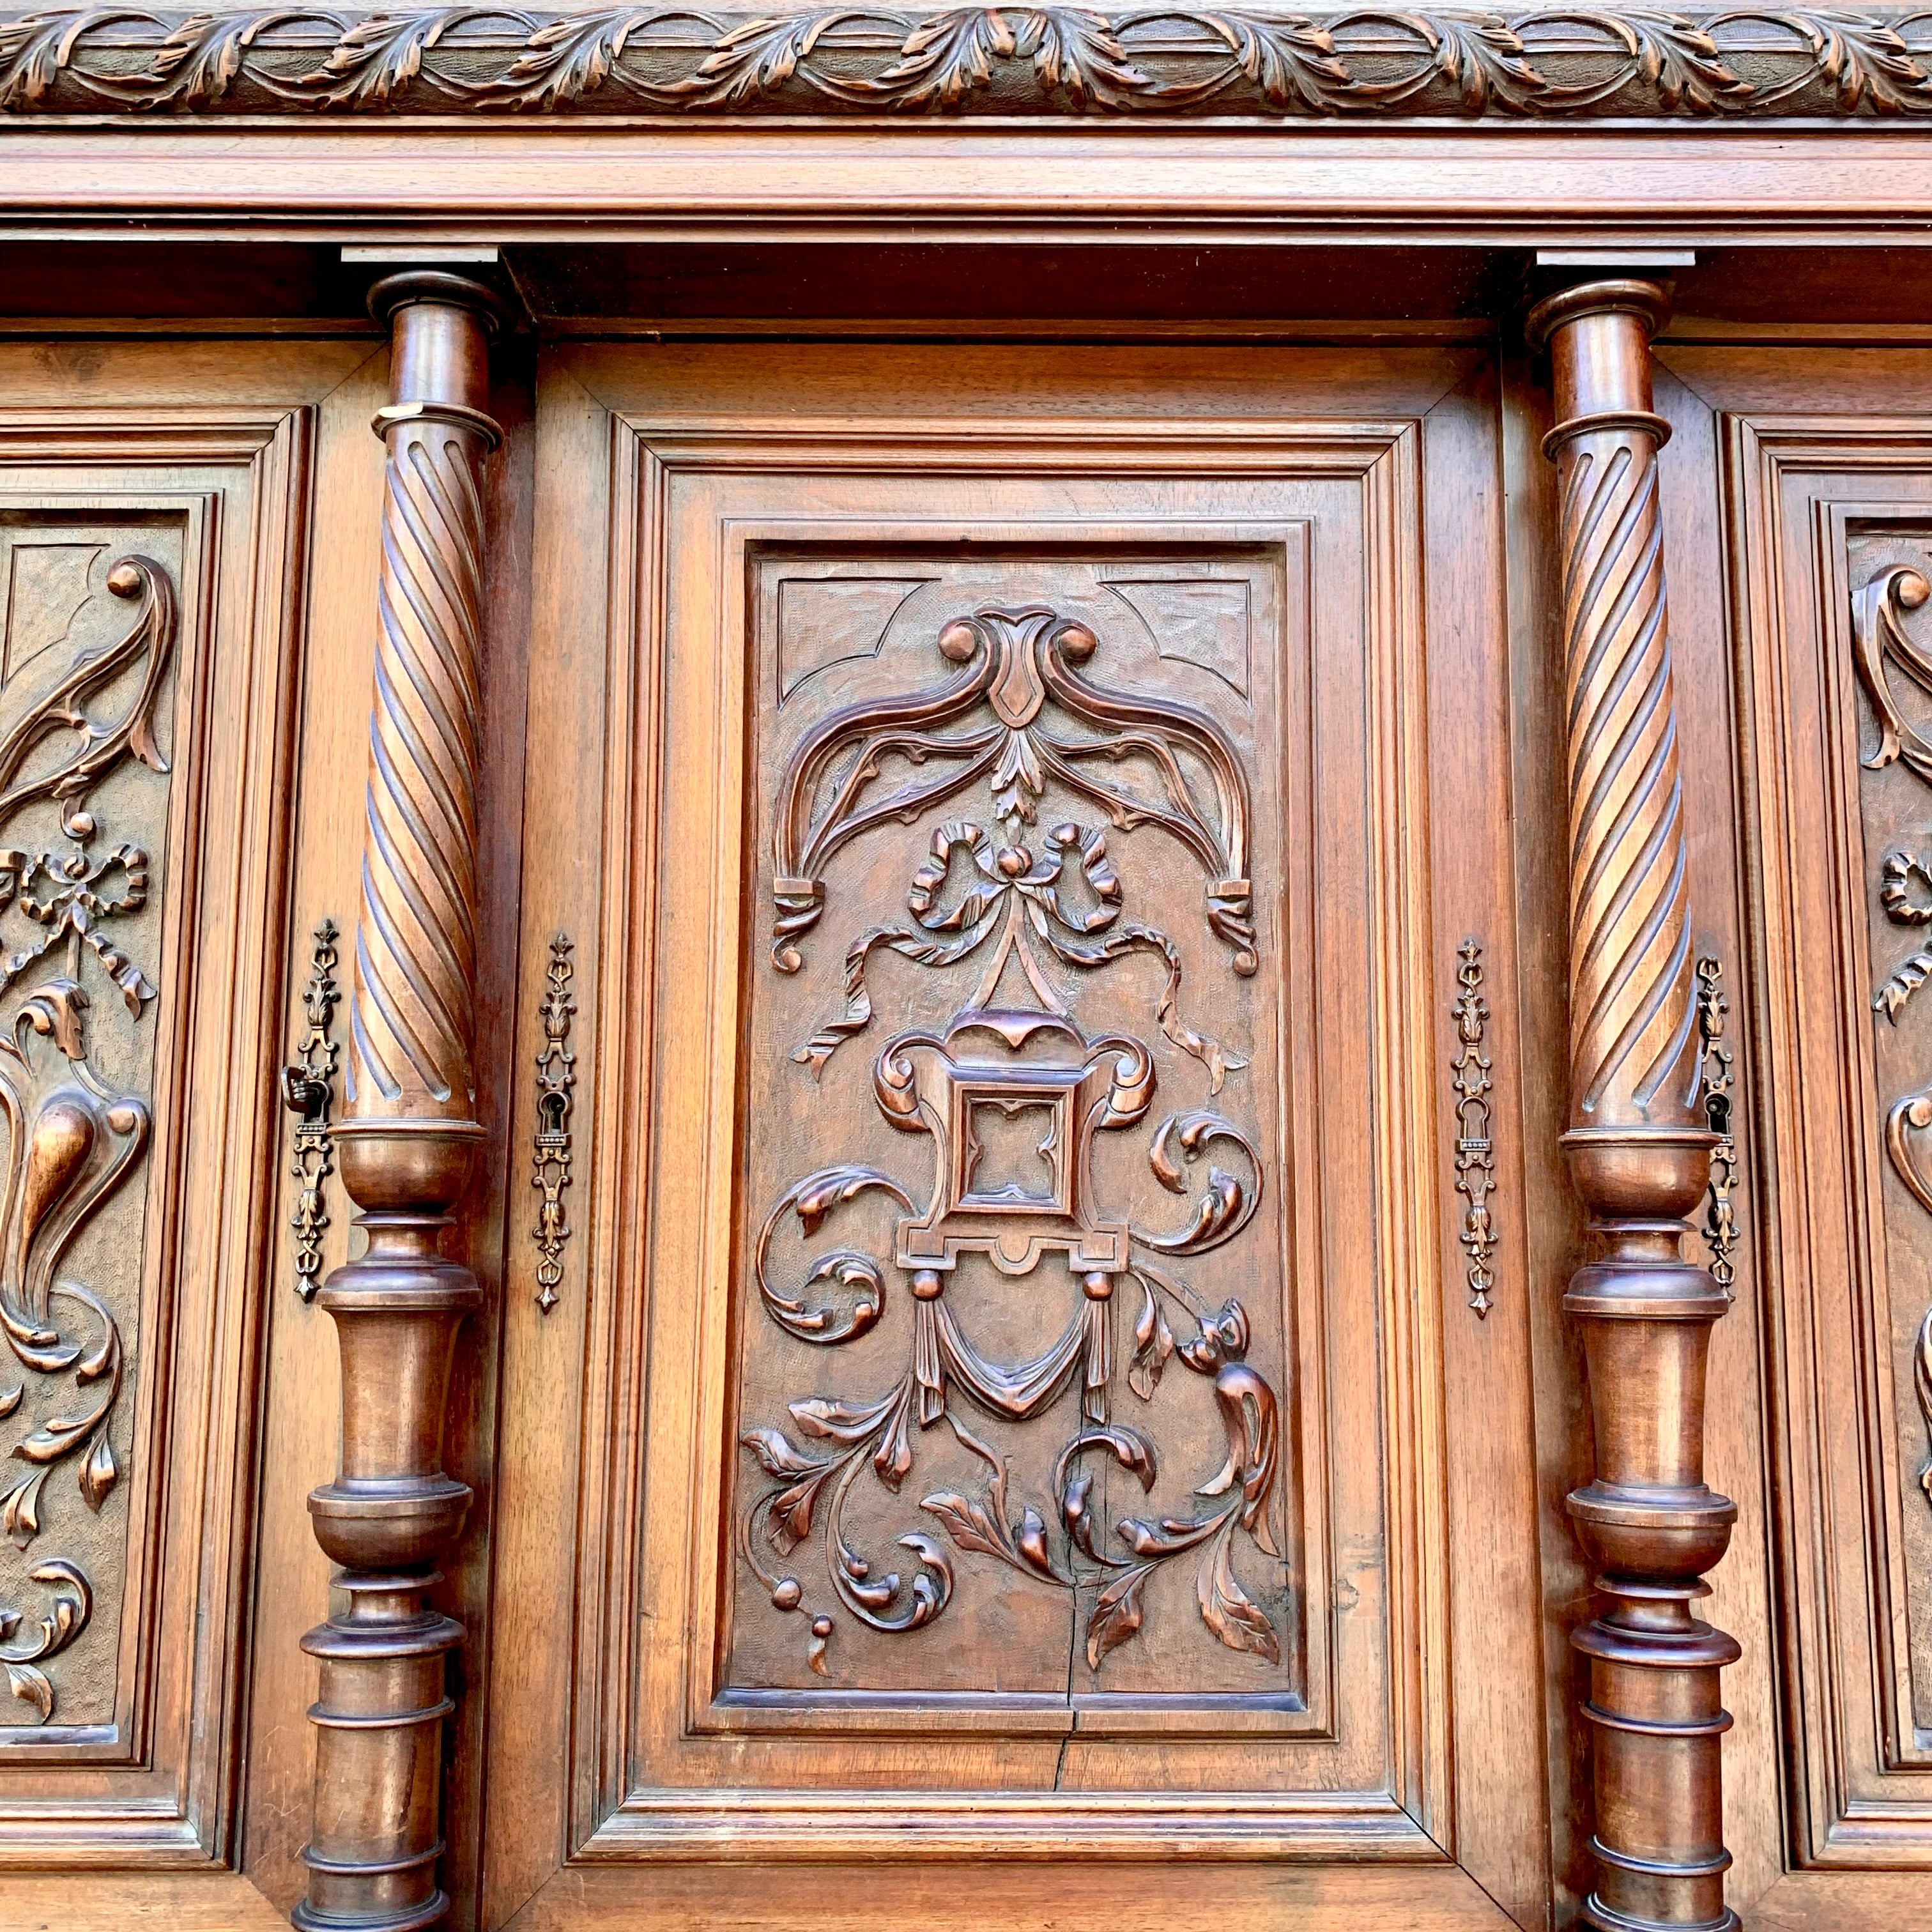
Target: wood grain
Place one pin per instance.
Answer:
(408, 1141)
(1637, 1143)
(227, 466)
(703, 466)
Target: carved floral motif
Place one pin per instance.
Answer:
(1880, 643)
(999, 60)
(987, 894)
(71, 1138)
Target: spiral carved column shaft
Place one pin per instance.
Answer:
(1638, 1147)
(408, 1141)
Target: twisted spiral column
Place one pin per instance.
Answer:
(1638, 1146)
(408, 1139)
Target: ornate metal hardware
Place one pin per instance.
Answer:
(556, 1075)
(1720, 1224)
(308, 1092)
(1475, 1158)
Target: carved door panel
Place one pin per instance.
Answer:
(150, 544)
(1005, 1329)
(1830, 530)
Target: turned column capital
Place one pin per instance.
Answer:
(1645, 299)
(440, 327)
(1598, 334)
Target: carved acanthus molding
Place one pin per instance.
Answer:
(1007, 61)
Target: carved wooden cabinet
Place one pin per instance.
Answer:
(993, 842)
(1035, 1032)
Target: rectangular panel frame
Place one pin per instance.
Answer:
(159, 1786)
(1796, 486)
(624, 1819)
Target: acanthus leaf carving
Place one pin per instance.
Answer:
(551, 59)
(984, 894)
(69, 1614)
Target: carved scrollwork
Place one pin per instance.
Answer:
(68, 1616)
(1017, 662)
(72, 897)
(859, 1275)
(1879, 643)
(550, 60)
(1903, 877)
(1014, 1067)
(72, 1138)
(70, 1142)
(1908, 1119)
(1228, 1204)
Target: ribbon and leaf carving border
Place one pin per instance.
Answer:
(1005, 61)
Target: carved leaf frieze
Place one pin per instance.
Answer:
(1009, 61)
(1010, 1098)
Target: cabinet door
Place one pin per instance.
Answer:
(1011, 1388)
(153, 511)
(1828, 515)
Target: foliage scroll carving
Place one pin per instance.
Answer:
(1006, 61)
(72, 1136)
(1881, 644)
(1021, 901)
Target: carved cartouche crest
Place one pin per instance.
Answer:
(1020, 901)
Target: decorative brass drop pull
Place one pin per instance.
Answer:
(1720, 1223)
(1475, 1157)
(308, 1092)
(556, 1075)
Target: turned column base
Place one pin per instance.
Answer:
(379, 1758)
